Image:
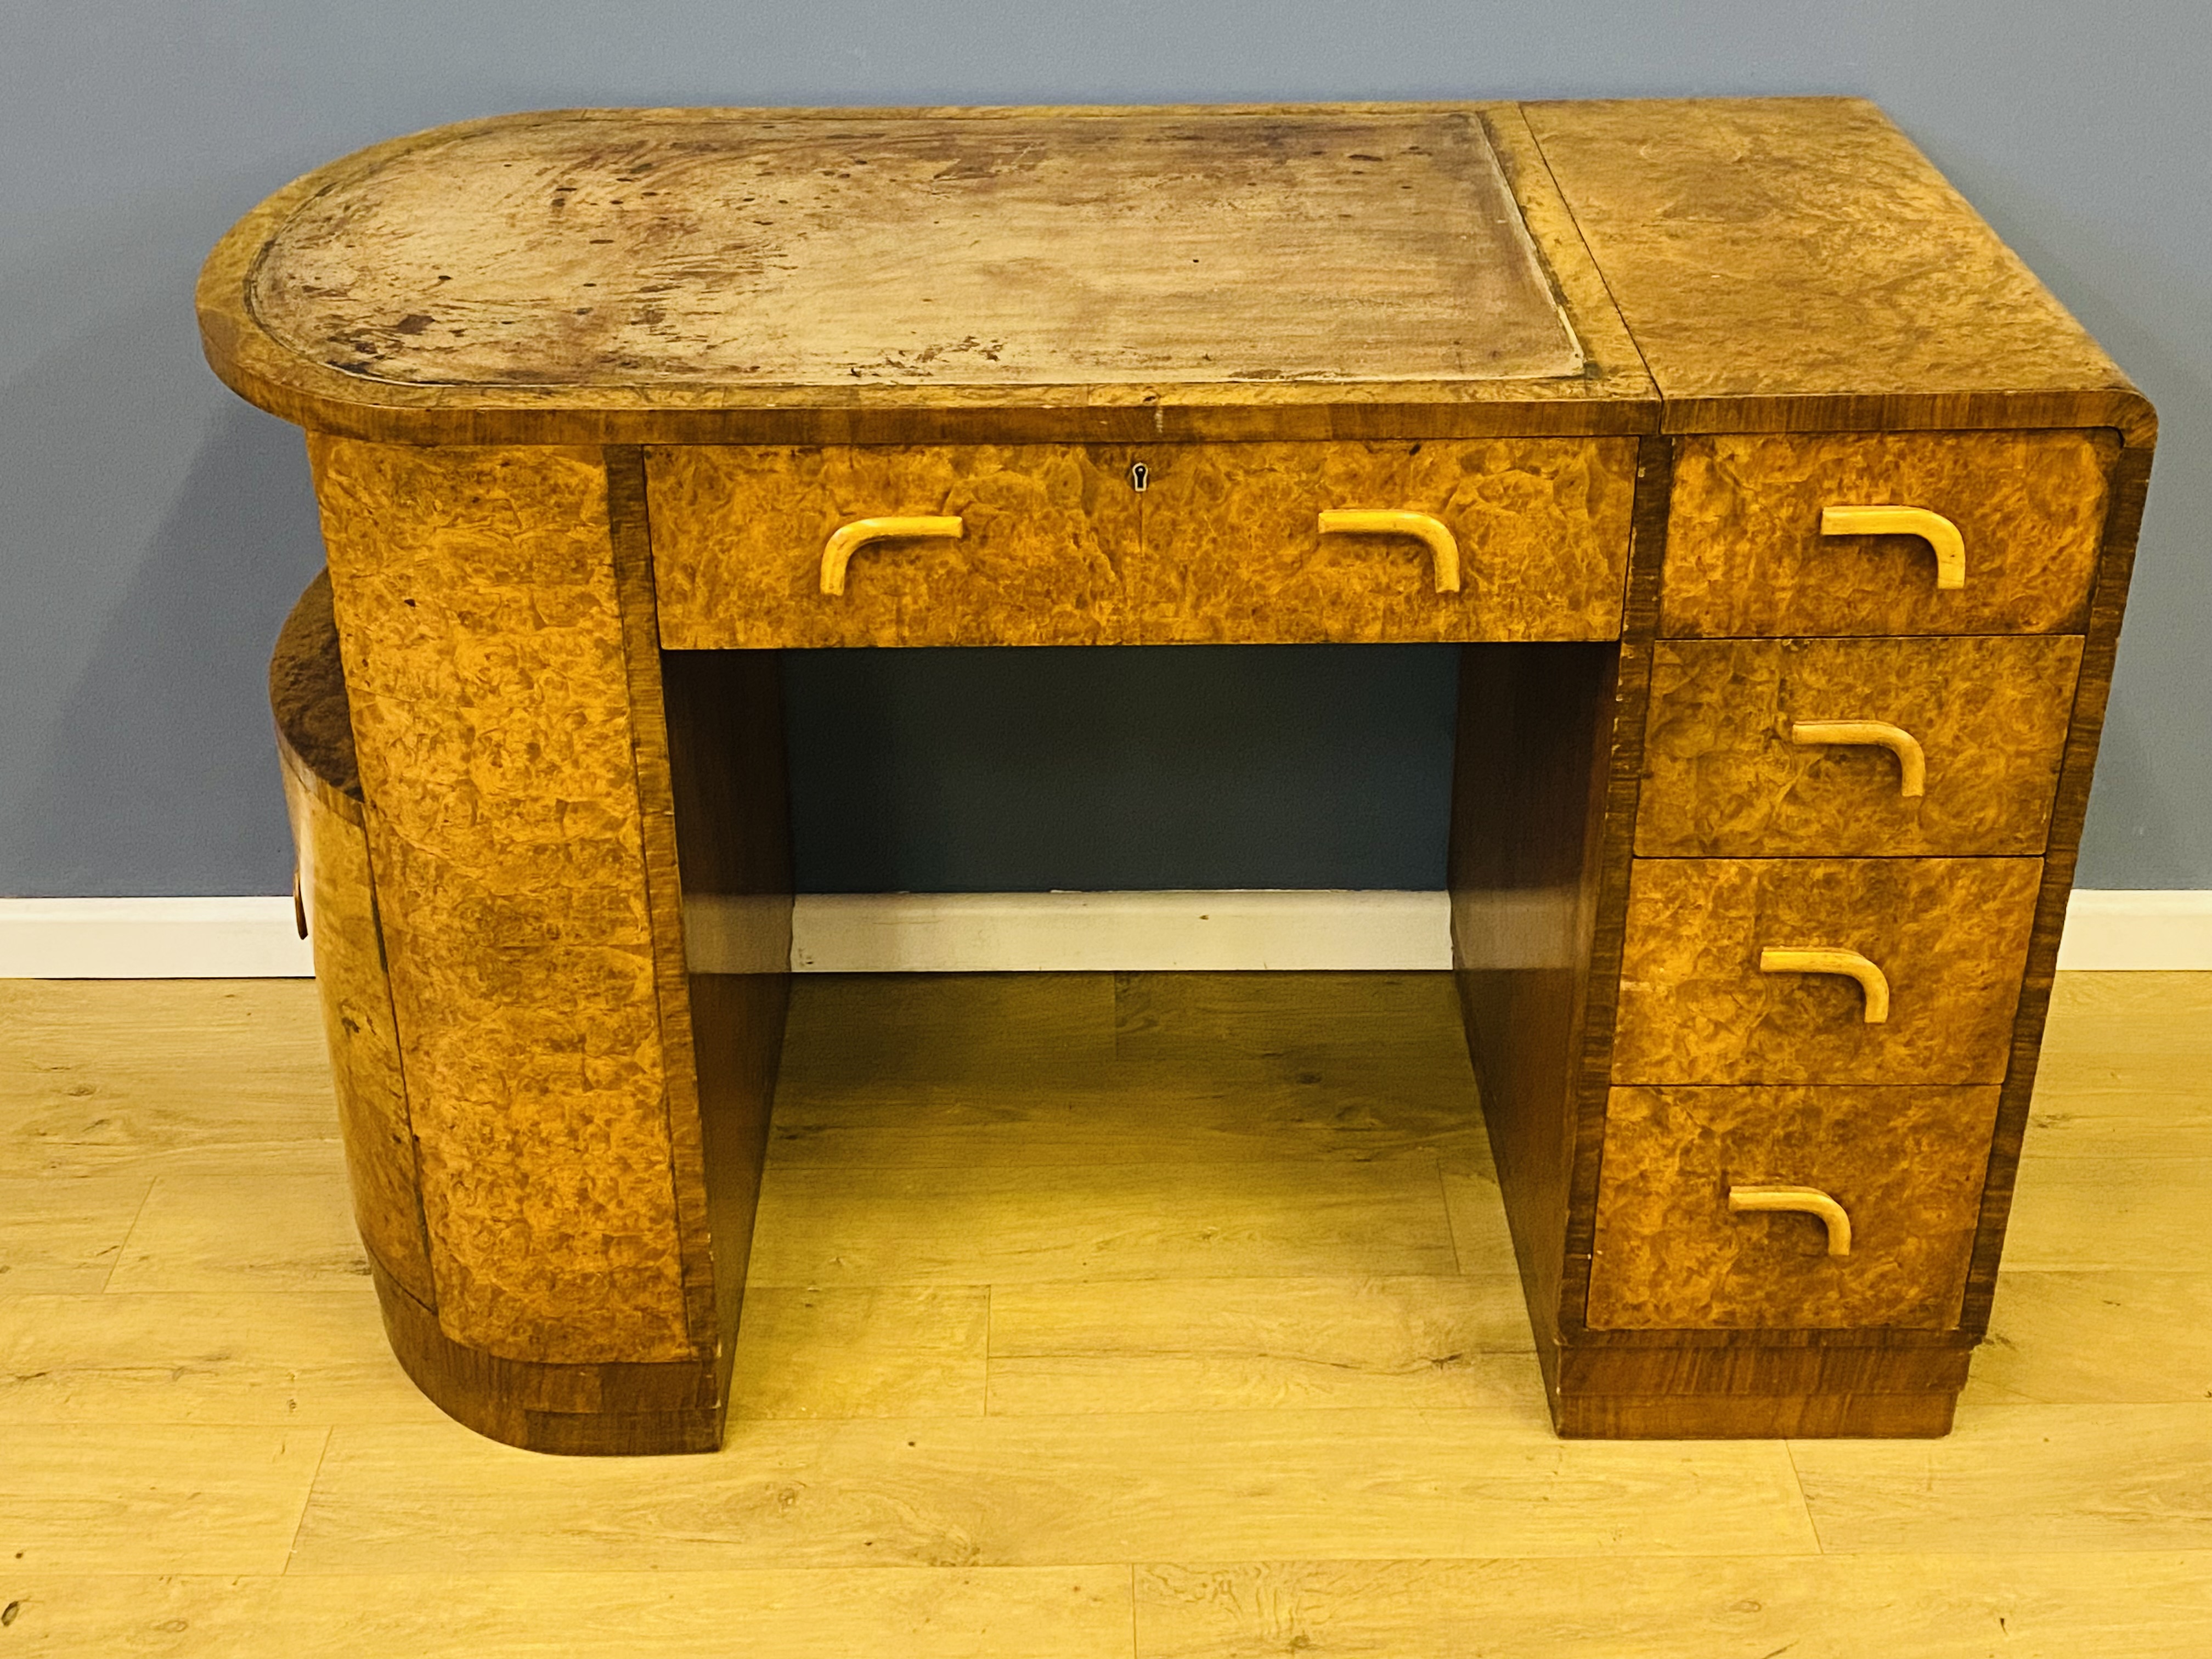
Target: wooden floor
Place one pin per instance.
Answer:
(1151, 1316)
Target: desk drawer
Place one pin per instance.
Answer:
(1795, 748)
(1747, 555)
(1944, 940)
(1903, 1166)
(740, 534)
(1234, 548)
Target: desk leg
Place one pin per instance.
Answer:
(1549, 758)
(494, 617)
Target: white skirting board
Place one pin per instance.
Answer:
(981, 932)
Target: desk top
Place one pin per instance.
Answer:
(912, 276)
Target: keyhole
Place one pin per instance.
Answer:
(1138, 474)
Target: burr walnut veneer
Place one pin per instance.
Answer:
(1783, 519)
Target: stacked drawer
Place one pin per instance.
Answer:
(1860, 695)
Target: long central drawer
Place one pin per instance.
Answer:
(1494, 538)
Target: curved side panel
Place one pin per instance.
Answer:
(582, 1409)
(615, 1409)
(356, 1001)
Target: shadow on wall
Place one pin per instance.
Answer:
(160, 776)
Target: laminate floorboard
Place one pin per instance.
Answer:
(233, 1356)
(928, 1612)
(862, 1351)
(222, 1076)
(883, 1225)
(1047, 1491)
(259, 1231)
(1446, 1341)
(1091, 1315)
(1912, 1607)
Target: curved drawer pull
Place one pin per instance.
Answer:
(1938, 531)
(1804, 1200)
(1849, 964)
(850, 538)
(1911, 759)
(1392, 522)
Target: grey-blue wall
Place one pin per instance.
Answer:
(152, 529)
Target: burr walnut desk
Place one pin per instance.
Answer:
(1784, 518)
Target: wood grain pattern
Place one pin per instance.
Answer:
(1233, 549)
(181, 1498)
(1932, 1607)
(88, 1085)
(64, 1235)
(551, 546)
(738, 534)
(1031, 1490)
(863, 1351)
(273, 1357)
(889, 1226)
(308, 693)
(2108, 1491)
(806, 1613)
(332, 848)
(1949, 934)
(967, 1071)
(1820, 1412)
(1527, 846)
(478, 609)
(1794, 263)
(2094, 1211)
(2130, 481)
(236, 1232)
(1745, 554)
(613, 1408)
(1723, 778)
(2007, 1480)
(1058, 549)
(1441, 1343)
(1133, 1113)
(1905, 1164)
(2054, 1335)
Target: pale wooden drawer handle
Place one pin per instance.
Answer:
(1849, 964)
(1938, 531)
(1803, 1200)
(1911, 759)
(1392, 522)
(849, 539)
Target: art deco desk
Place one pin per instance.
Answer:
(1785, 519)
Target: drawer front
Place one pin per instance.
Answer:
(1945, 941)
(1799, 748)
(740, 537)
(1747, 556)
(1234, 550)
(1904, 1168)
